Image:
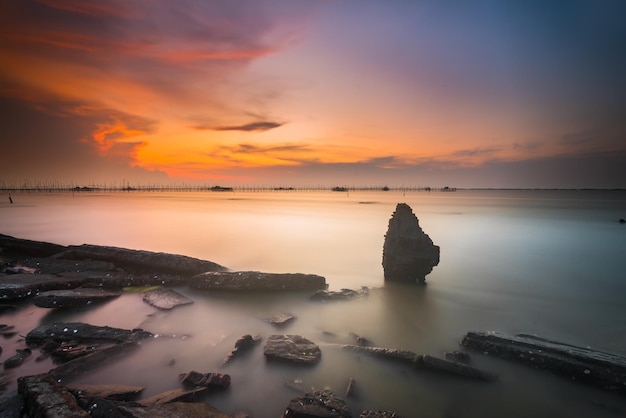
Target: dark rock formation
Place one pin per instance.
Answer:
(343, 294)
(102, 408)
(45, 397)
(174, 395)
(20, 286)
(27, 247)
(81, 332)
(140, 261)
(112, 392)
(257, 281)
(379, 414)
(408, 253)
(280, 320)
(318, 404)
(243, 344)
(165, 298)
(459, 356)
(11, 405)
(73, 298)
(425, 362)
(292, 348)
(622, 221)
(18, 358)
(208, 380)
(596, 368)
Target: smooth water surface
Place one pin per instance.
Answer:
(550, 263)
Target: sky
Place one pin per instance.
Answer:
(404, 93)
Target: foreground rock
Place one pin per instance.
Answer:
(74, 298)
(27, 247)
(112, 392)
(596, 368)
(207, 380)
(408, 253)
(165, 298)
(139, 260)
(45, 397)
(257, 281)
(102, 408)
(292, 348)
(318, 404)
(426, 362)
(379, 414)
(242, 345)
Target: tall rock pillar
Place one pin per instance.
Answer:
(408, 253)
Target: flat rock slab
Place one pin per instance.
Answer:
(593, 367)
(20, 286)
(28, 247)
(292, 348)
(102, 408)
(318, 404)
(113, 392)
(280, 320)
(139, 260)
(53, 265)
(81, 332)
(165, 298)
(174, 395)
(257, 281)
(73, 298)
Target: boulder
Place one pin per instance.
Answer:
(73, 298)
(318, 404)
(165, 298)
(257, 281)
(292, 348)
(408, 253)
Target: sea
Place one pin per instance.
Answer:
(546, 262)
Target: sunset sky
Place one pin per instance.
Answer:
(501, 93)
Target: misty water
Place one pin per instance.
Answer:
(550, 263)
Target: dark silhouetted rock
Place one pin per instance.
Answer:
(20, 286)
(208, 380)
(592, 367)
(318, 404)
(343, 294)
(165, 298)
(351, 391)
(459, 356)
(379, 414)
(139, 260)
(243, 344)
(46, 398)
(112, 392)
(7, 331)
(408, 253)
(257, 281)
(622, 221)
(73, 298)
(11, 405)
(292, 348)
(57, 266)
(27, 247)
(174, 395)
(18, 358)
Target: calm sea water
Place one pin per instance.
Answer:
(551, 263)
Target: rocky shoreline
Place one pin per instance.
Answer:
(73, 277)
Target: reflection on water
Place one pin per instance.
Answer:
(549, 263)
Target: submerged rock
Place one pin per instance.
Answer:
(292, 348)
(343, 294)
(318, 404)
(257, 281)
(207, 380)
(243, 344)
(408, 253)
(73, 298)
(18, 358)
(165, 298)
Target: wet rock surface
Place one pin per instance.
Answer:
(318, 404)
(112, 392)
(244, 344)
(343, 294)
(165, 298)
(208, 380)
(73, 298)
(45, 397)
(408, 253)
(292, 348)
(596, 368)
(25, 285)
(257, 281)
(379, 414)
(81, 332)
